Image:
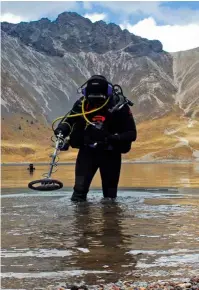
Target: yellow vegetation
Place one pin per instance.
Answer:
(25, 139)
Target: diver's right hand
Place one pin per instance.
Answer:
(57, 132)
(63, 143)
(64, 146)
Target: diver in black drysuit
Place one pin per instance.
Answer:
(101, 136)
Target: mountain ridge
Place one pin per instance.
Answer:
(75, 33)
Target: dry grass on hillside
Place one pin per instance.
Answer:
(160, 139)
(27, 140)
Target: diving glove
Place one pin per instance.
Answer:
(93, 134)
(57, 131)
(64, 146)
(113, 139)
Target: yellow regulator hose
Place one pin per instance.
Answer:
(79, 114)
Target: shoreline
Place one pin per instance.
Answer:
(123, 162)
(67, 189)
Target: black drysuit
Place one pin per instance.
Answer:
(99, 148)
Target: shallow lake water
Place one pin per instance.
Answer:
(132, 175)
(149, 233)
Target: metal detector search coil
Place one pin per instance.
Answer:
(47, 183)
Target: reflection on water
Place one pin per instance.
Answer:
(31, 172)
(99, 229)
(132, 175)
(143, 236)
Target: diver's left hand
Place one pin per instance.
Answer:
(95, 134)
(113, 139)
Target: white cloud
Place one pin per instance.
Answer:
(130, 7)
(173, 37)
(155, 9)
(95, 16)
(11, 18)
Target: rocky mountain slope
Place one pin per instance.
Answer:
(51, 59)
(44, 62)
(186, 77)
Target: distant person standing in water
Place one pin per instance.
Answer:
(102, 127)
(31, 167)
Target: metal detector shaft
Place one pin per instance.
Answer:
(48, 184)
(54, 155)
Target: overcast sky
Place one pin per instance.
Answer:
(175, 24)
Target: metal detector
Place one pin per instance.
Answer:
(47, 183)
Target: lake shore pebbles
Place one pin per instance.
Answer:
(192, 284)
